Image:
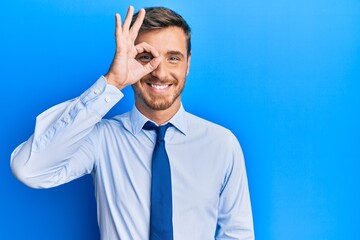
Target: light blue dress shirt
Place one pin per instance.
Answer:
(209, 184)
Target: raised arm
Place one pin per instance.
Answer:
(63, 146)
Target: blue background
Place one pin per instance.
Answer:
(282, 75)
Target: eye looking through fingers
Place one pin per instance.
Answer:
(144, 57)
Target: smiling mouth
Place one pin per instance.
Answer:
(159, 86)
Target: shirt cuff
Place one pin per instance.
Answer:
(101, 96)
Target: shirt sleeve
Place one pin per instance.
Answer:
(235, 215)
(62, 147)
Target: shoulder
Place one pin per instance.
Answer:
(210, 129)
(217, 140)
(118, 121)
(196, 122)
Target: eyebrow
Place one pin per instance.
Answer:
(174, 52)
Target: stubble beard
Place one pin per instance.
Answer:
(158, 103)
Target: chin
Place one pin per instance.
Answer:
(155, 102)
(160, 104)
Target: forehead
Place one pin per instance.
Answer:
(165, 39)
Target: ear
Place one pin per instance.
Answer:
(188, 63)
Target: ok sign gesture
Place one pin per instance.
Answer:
(125, 69)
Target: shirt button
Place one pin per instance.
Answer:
(66, 120)
(97, 91)
(107, 99)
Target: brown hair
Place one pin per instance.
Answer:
(161, 17)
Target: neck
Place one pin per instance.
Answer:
(158, 116)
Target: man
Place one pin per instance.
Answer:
(191, 184)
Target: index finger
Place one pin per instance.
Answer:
(137, 24)
(128, 18)
(145, 47)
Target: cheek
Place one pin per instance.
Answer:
(181, 72)
(144, 79)
(137, 86)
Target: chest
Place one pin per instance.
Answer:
(198, 167)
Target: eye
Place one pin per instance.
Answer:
(144, 58)
(174, 59)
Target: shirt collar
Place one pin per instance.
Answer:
(137, 120)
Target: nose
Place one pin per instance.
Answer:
(161, 71)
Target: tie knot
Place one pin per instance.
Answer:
(160, 130)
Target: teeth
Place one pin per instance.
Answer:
(159, 86)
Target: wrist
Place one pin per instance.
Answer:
(110, 79)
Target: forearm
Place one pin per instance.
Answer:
(57, 152)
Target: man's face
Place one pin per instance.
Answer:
(162, 88)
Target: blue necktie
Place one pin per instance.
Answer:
(161, 197)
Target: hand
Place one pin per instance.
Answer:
(125, 69)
